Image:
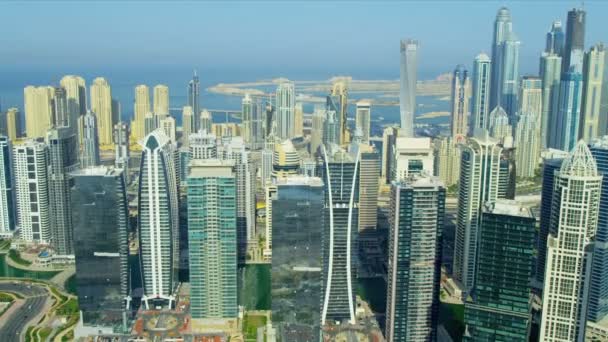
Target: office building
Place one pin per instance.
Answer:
(161, 101)
(7, 189)
(253, 122)
(555, 39)
(60, 116)
(414, 259)
(527, 152)
(285, 106)
(212, 240)
(63, 160)
(122, 156)
(194, 94)
(337, 101)
(447, 160)
(566, 125)
(480, 109)
(501, 308)
(316, 133)
(530, 96)
(574, 216)
(508, 173)
(550, 74)
(295, 204)
(363, 119)
(411, 156)
(340, 174)
(167, 124)
(30, 161)
(298, 119)
(101, 105)
(158, 220)
(575, 40)
(509, 75)
(369, 165)
(13, 123)
(478, 185)
(593, 76)
(407, 85)
(502, 28)
(187, 124)
(331, 128)
(76, 95)
(101, 246)
(38, 106)
(389, 137)
(141, 108)
(461, 95)
(89, 156)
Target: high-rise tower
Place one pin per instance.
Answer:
(407, 85)
(502, 28)
(461, 94)
(550, 74)
(555, 39)
(593, 75)
(141, 109)
(90, 143)
(161, 101)
(7, 189)
(101, 105)
(480, 107)
(575, 40)
(285, 106)
(363, 119)
(194, 101)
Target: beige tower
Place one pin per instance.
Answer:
(38, 104)
(13, 123)
(298, 119)
(141, 108)
(76, 96)
(461, 95)
(590, 126)
(101, 105)
(187, 123)
(339, 100)
(161, 100)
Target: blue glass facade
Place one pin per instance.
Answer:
(549, 168)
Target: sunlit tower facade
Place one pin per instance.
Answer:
(407, 85)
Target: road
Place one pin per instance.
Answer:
(35, 298)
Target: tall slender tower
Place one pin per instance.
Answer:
(61, 112)
(363, 120)
(480, 108)
(337, 101)
(187, 123)
(194, 101)
(31, 185)
(158, 219)
(13, 123)
(285, 105)
(340, 172)
(122, 133)
(509, 75)
(569, 251)
(566, 127)
(7, 189)
(527, 153)
(550, 74)
(575, 40)
(502, 28)
(530, 96)
(90, 146)
(76, 93)
(593, 75)
(555, 39)
(38, 106)
(161, 100)
(479, 184)
(414, 259)
(101, 105)
(407, 88)
(141, 108)
(212, 240)
(247, 111)
(461, 94)
(63, 160)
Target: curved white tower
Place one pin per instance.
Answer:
(407, 91)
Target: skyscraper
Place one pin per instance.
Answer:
(407, 89)
(203, 145)
(76, 94)
(212, 240)
(527, 152)
(480, 107)
(294, 207)
(509, 75)
(502, 28)
(167, 123)
(246, 112)
(598, 290)
(555, 39)
(298, 119)
(575, 40)
(7, 189)
(530, 96)
(368, 187)
(13, 123)
(593, 75)
(101, 105)
(205, 120)
(501, 308)
(31, 187)
(363, 119)
(141, 108)
(90, 147)
(63, 160)
(187, 123)
(499, 125)
(414, 259)
(158, 219)
(447, 160)
(331, 128)
(194, 94)
(574, 215)
(285, 106)
(161, 100)
(337, 101)
(389, 137)
(550, 73)
(38, 106)
(316, 133)
(61, 113)
(479, 184)
(411, 156)
(122, 133)
(461, 94)
(101, 246)
(340, 173)
(566, 125)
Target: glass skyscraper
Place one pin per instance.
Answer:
(212, 238)
(566, 125)
(500, 309)
(100, 218)
(7, 190)
(296, 257)
(480, 106)
(194, 94)
(414, 266)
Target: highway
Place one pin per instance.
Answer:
(35, 298)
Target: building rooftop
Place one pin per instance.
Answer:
(508, 207)
(299, 180)
(97, 171)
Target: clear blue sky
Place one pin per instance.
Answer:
(336, 35)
